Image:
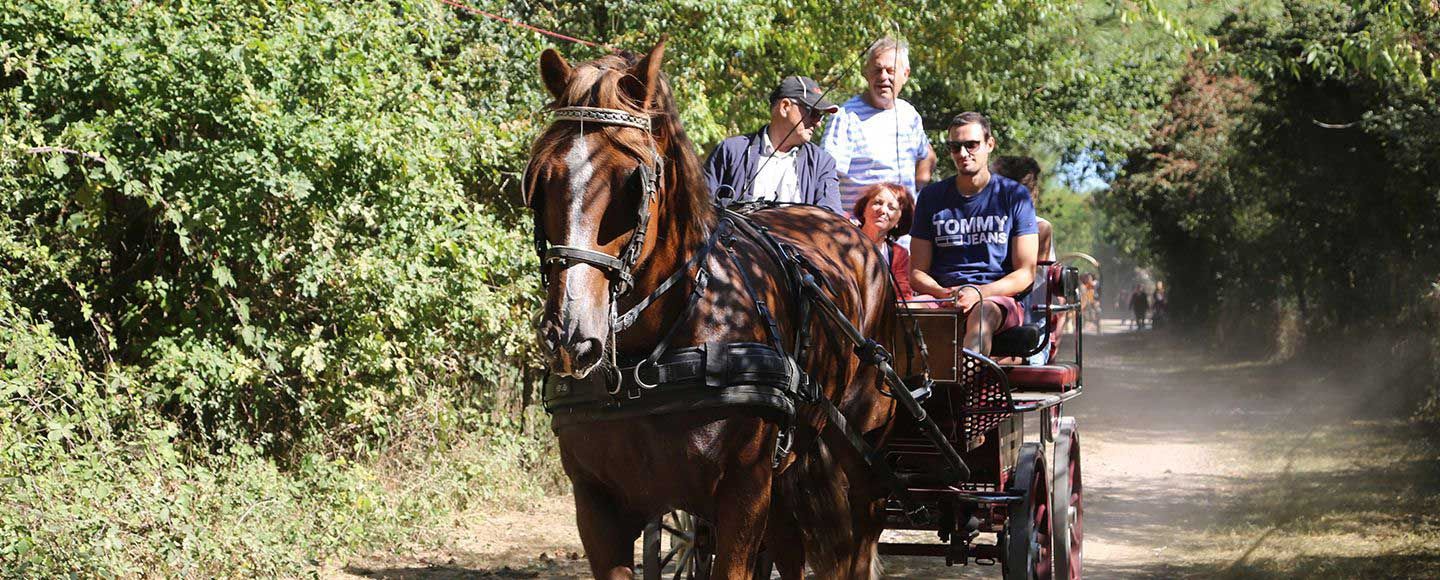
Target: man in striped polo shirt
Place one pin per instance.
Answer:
(876, 136)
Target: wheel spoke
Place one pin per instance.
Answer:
(670, 555)
(686, 564)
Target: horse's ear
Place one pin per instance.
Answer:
(555, 72)
(644, 82)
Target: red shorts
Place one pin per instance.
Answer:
(1013, 311)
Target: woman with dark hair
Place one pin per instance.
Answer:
(1026, 171)
(885, 211)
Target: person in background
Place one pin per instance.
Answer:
(1026, 172)
(1159, 303)
(1090, 300)
(1140, 305)
(778, 162)
(885, 213)
(876, 136)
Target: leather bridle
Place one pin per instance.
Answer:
(617, 268)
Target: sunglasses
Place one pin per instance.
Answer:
(956, 146)
(806, 111)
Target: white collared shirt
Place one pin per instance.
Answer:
(775, 176)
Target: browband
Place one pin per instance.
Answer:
(602, 116)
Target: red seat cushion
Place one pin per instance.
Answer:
(1042, 377)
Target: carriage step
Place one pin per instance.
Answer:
(918, 479)
(923, 392)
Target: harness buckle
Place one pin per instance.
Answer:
(873, 353)
(784, 441)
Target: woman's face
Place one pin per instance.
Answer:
(882, 212)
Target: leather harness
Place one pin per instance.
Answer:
(667, 380)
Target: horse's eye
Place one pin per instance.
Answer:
(635, 181)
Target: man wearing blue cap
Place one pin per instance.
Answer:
(778, 162)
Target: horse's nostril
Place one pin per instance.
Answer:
(587, 353)
(550, 338)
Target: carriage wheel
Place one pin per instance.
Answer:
(1067, 529)
(1027, 530)
(680, 542)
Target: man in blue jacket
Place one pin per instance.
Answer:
(778, 162)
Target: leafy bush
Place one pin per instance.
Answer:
(275, 228)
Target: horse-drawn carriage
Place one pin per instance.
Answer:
(746, 382)
(1026, 492)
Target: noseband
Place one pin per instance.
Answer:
(617, 268)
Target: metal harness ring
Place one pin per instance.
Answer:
(635, 374)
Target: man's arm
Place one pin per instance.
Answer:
(924, 168)
(1022, 254)
(921, 252)
(1047, 236)
(829, 183)
(714, 169)
(1023, 251)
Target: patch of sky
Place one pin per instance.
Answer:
(1086, 171)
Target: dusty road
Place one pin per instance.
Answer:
(1194, 468)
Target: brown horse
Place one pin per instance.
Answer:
(620, 202)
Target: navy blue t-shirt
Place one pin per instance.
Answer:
(971, 235)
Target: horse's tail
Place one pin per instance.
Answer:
(814, 490)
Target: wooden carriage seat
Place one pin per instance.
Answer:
(943, 327)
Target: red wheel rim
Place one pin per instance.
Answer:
(1040, 532)
(1076, 513)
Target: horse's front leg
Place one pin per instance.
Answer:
(869, 517)
(786, 546)
(742, 506)
(607, 533)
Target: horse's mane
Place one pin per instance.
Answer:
(598, 83)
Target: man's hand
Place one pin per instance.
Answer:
(966, 297)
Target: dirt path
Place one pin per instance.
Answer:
(1193, 467)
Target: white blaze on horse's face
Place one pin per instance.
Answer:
(575, 328)
(581, 231)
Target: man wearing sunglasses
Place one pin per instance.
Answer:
(778, 162)
(974, 238)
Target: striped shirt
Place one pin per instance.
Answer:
(873, 145)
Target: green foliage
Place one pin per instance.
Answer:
(280, 226)
(236, 236)
(1074, 217)
(1295, 168)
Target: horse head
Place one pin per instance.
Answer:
(602, 184)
